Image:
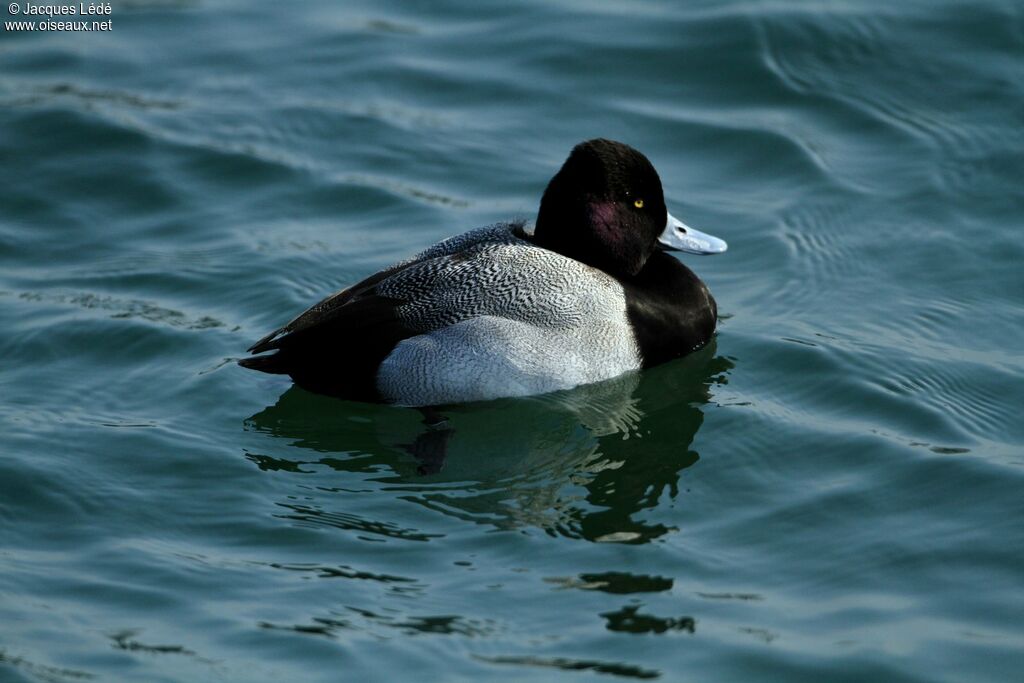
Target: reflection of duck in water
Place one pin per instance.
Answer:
(601, 408)
(581, 463)
(502, 311)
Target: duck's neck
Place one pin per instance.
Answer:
(671, 311)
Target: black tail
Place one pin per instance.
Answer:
(272, 363)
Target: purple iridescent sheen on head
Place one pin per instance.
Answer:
(604, 218)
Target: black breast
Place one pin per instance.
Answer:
(671, 311)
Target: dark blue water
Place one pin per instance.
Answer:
(831, 492)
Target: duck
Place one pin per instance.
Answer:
(586, 294)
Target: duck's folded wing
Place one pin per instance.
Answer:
(428, 267)
(336, 346)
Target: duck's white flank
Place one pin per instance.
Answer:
(503, 317)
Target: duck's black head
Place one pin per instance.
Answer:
(605, 207)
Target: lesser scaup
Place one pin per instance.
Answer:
(504, 311)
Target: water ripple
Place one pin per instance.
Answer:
(124, 309)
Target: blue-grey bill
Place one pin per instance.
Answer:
(681, 237)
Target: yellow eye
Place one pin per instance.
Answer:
(638, 203)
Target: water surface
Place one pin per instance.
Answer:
(830, 492)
